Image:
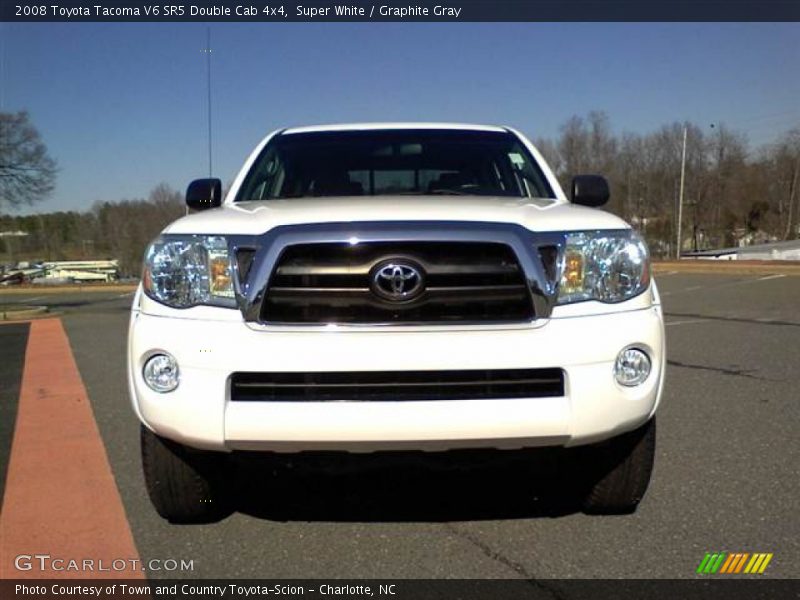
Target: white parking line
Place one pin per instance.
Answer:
(684, 322)
(772, 277)
(26, 300)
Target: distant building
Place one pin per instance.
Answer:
(63, 271)
(79, 271)
(789, 250)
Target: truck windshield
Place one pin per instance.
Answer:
(396, 162)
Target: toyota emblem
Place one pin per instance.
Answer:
(397, 281)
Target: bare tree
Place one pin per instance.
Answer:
(602, 144)
(727, 152)
(586, 146)
(27, 173)
(787, 171)
(549, 150)
(167, 205)
(573, 147)
(631, 183)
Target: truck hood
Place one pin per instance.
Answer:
(253, 218)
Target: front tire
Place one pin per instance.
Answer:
(620, 471)
(184, 485)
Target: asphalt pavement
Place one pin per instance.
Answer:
(726, 475)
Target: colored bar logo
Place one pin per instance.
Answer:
(728, 563)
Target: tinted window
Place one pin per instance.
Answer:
(373, 163)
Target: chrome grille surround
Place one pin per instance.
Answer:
(538, 254)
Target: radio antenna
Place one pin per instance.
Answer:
(208, 81)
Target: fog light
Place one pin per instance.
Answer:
(161, 373)
(632, 367)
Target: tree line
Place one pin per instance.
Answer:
(120, 230)
(733, 194)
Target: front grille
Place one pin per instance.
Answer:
(397, 385)
(463, 282)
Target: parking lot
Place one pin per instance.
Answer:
(725, 479)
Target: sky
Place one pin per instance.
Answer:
(122, 107)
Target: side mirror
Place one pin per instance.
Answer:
(204, 193)
(590, 190)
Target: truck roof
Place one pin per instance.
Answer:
(390, 125)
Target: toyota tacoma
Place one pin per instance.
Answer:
(382, 287)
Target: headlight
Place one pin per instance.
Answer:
(184, 271)
(609, 266)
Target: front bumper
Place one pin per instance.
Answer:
(199, 413)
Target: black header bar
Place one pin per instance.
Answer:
(278, 11)
(733, 588)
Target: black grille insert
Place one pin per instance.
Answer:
(244, 260)
(464, 282)
(397, 385)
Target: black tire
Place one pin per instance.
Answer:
(184, 485)
(620, 471)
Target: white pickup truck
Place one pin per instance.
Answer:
(381, 287)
